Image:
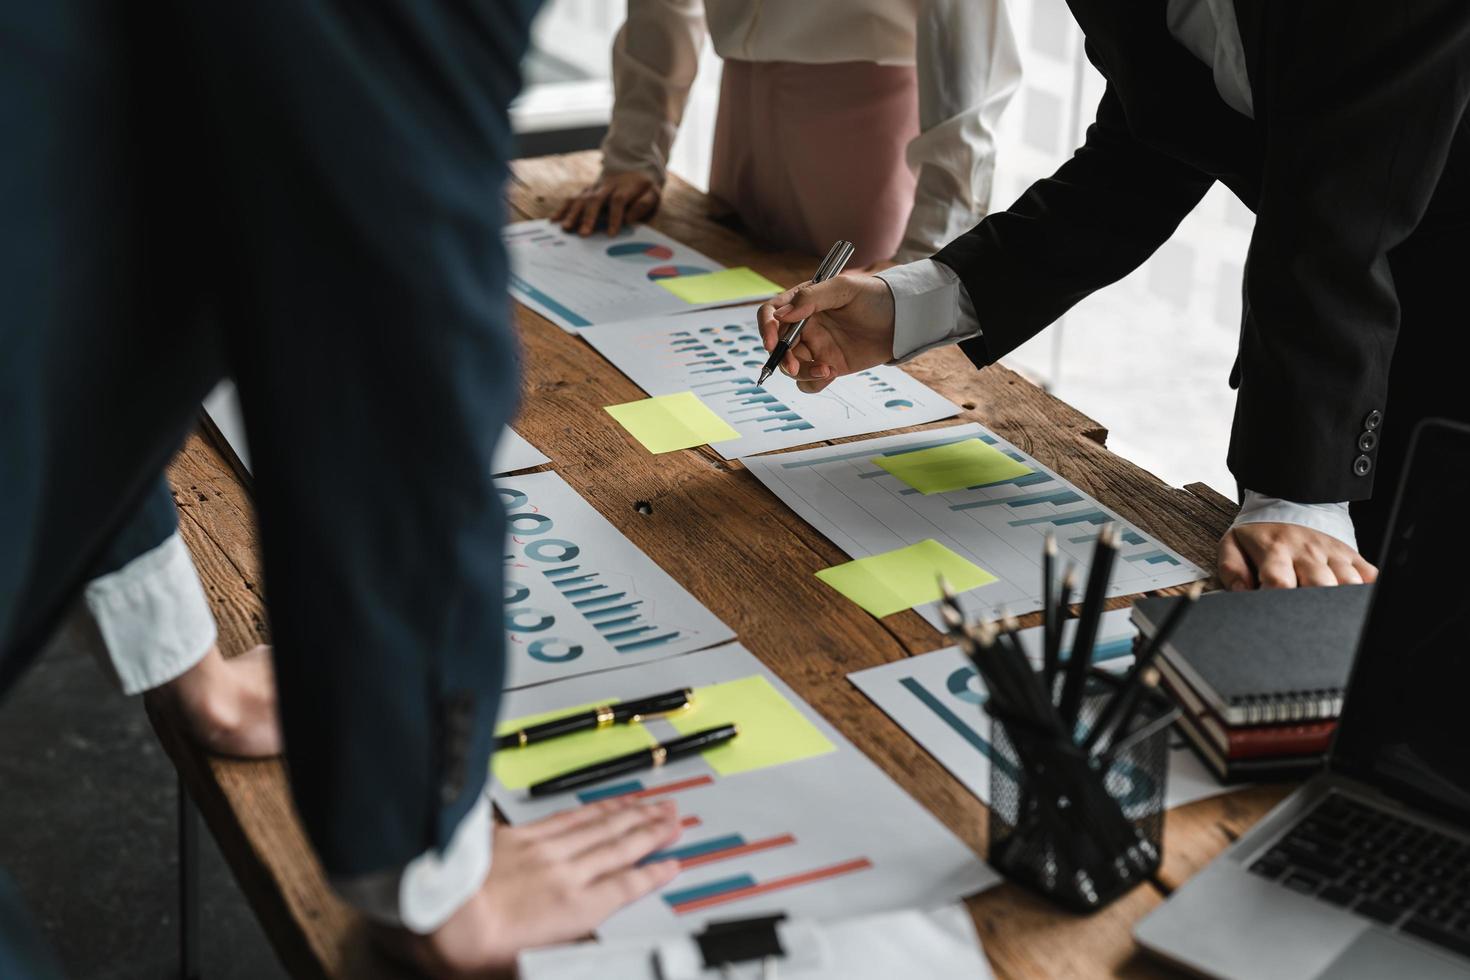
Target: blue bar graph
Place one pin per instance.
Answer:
(620, 623)
(1154, 558)
(1059, 498)
(1062, 520)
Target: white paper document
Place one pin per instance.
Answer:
(514, 453)
(1000, 526)
(787, 817)
(939, 699)
(580, 597)
(718, 355)
(937, 945)
(578, 282)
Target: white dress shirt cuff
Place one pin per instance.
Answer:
(930, 308)
(1330, 519)
(423, 894)
(152, 616)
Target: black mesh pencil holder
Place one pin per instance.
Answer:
(1076, 827)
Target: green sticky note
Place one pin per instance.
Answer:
(671, 422)
(940, 469)
(902, 579)
(772, 729)
(520, 767)
(725, 286)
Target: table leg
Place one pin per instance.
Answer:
(188, 886)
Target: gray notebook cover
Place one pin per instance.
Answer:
(1266, 657)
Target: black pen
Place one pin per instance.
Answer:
(649, 758)
(1080, 659)
(831, 266)
(602, 716)
(1122, 706)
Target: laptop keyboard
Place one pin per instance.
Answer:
(1394, 871)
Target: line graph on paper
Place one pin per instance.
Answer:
(718, 355)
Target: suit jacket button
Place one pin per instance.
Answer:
(1368, 440)
(1373, 421)
(1362, 465)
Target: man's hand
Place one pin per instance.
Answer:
(229, 705)
(628, 198)
(850, 328)
(551, 881)
(1284, 556)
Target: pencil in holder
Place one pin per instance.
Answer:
(1080, 828)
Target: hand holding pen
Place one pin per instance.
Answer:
(854, 331)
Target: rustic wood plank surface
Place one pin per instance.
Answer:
(763, 587)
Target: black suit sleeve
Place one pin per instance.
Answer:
(1359, 103)
(363, 148)
(1091, 223)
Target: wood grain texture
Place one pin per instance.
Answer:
(732, 544)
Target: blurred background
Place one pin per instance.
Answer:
(1147, 357)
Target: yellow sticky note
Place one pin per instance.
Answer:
(940, 469)
(772, 729)
(902, 579)
(727, 285)
(671, 422)
(520, 767)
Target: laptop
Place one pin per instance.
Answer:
(1364, 872)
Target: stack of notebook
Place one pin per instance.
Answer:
(1259, 676)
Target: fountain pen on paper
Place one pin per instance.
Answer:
(831, 266)
(622, 713)
(649, 758)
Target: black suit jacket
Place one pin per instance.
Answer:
(1357, 144)
(324, 179)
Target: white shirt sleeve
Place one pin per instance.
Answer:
(152, 616)
(931, 308)
(423, 894)
(654, 60)
(968, 69)
(1330, 519)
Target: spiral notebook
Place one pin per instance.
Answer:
(1267, 657)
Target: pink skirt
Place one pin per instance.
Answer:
(809, 154)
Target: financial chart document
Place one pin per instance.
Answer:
(580, 597)
(999, 526)
(768, 816)
(717, 355)
(579, 282)
(939, 699)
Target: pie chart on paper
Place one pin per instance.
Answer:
(672, 271)
(640, 252)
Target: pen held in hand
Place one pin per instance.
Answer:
(650, 758)
(836, 260)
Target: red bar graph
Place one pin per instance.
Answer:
(775, 884)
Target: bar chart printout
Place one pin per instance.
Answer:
(939, 699)
(717, 355)
(579, 596)
(578, 282)
(1000, 526)
(768, 823)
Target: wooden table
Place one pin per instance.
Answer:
(702, 504)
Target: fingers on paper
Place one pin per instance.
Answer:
(570, 820)
(597, 836)
(630, 843)
(613, 891)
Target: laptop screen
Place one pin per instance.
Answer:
(1405, 726)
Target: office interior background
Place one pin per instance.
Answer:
(1148, 357)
